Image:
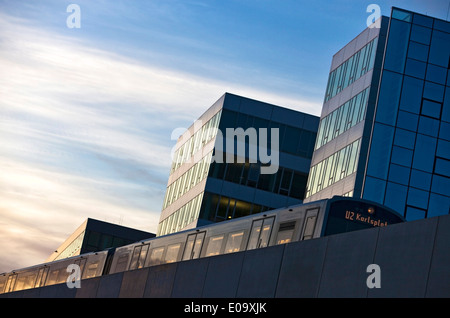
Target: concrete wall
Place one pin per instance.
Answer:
(414, 259)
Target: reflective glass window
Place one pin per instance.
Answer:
(424, 153)
(420, 179)
(413, 213)
(444, 131)
(374, 189)
(428, 126)
(397, 46)
(172, 253)
(418, 51)
(399, 174)
(438, 205)
(352, 69)
(401, 156)
(423, 20)
(415, 68)
(418, 198)
(433, 91)
(234, 242)
(401, 15)
(420, 34)
(442, 25)
(214, 245)
(389, 97)
(411, 94)
(442, 167)
(431, 108)
(298, 185)
(440, 48)
(441, 185)
(396, 197)
(407, 121)
(291, 139)
(443, 149)
(446, 105)
(436, 74)
(380, 150)
(404, 138)
(228, 119)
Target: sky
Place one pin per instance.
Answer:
(87, 114)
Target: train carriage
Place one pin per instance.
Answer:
(280, 226)
(284, 225)
(91, 265)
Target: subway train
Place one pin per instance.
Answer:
(280, 226)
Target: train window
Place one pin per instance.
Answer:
(20, 284)
(214, 245)
(91, 270)
(193, 247)
(260, 233)
(156, 256)
(172, 253)
(29, 280)
(285, 232)
(62, 276)
(122, 263)
(309, 227)
(234, 242)
(52, 278)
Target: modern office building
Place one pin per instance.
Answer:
(384, 132)
(94, 235)
(240, 157)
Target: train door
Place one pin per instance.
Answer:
(41, 277)
(260, 233)
(310, 223)
(193, 246)
(81, 263)
(139, 256)
(10, 283)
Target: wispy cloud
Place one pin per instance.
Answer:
(86, 133)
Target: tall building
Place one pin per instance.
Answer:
(384, 132)
(240, 157)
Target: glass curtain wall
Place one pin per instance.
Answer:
(409, 159)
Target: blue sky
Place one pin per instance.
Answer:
(86, 114)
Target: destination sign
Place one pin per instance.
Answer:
(346, 215)
(355, 216)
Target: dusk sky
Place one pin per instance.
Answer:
(87, 114)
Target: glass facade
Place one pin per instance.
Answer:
(332, 169)
(409, 161)
(346, 107)
(342, 119)
(196, 142)
(352, 69)
(208, 189)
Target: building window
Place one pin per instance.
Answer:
(352, 69)
(343, 118)
(332, 169)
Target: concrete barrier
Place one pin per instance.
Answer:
(413, 258)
